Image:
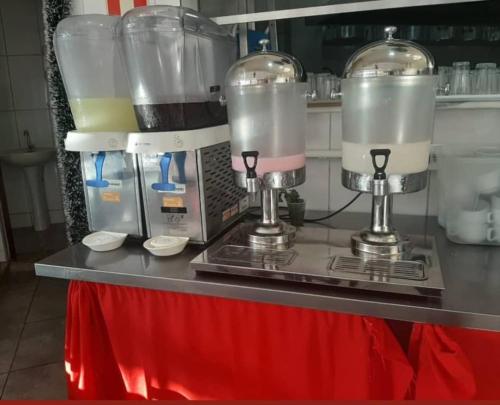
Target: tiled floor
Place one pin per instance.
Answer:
(32, 314)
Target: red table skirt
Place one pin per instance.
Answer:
(455, 363)
(132, 343)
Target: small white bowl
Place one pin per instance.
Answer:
(104, 241)
(166, 245)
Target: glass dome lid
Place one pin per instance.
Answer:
(265, 67)
(390, 57)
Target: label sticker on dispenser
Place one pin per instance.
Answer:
(114, 183)
(111, 196)
(173, 202)
(226, 214)
(244, 204)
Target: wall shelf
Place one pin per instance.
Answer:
(473, 101)
(346, 7)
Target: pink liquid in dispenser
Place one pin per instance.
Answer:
(273, 164)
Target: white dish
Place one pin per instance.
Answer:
(166, 245)
(104, 241)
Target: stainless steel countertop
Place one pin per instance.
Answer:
(471, 276)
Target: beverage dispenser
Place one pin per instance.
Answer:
(387, 116)
(266, 100)
(95, 80)
(388, 103)
(176, 61)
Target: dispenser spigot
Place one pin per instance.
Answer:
(380, 183)
(253, 182)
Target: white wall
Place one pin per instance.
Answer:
(323, 189)
(23, 104)
(101, 6)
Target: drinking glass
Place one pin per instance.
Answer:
(470, 33)
(491, 34)
(486, 82)
(460, 78)
(335, 86)
(323, 86)
(444, 77)
(311, 85)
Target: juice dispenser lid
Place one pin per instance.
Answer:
(390, 57)
(265, 67)
(170, 18)
(88, 25)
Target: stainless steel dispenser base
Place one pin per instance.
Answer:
(390, 245)
(324, 256)
(280, 236)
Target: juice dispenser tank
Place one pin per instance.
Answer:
(266, 99)
(94, 77)
(176, 60)
(95, 80)
(388, 103)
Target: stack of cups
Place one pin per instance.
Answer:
(486, 80)
(460, 78)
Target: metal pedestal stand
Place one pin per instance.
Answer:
(270, 231)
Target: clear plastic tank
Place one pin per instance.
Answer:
(176, 61)
(388, 102)
(94, 76)
(266, 100)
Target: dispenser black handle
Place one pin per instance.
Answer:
(380, 170)
(251, 173)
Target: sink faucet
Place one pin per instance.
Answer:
(30, 146)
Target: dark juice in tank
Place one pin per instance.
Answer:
(180, 116)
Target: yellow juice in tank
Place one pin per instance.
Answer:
(108, 114)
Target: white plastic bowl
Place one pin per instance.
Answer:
(104, 241)
(166, 245)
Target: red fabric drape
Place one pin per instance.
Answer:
(124, 342)
(455, 363)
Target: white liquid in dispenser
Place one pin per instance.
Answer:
(404, 158)
(103, 114)
(271, 164)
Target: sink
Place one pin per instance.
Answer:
(32, 162)
(27, 158)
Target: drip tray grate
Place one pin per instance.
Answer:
(379, 268)
(244, 254)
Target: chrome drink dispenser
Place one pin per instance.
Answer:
(388, 103)
(266, 100)
(387, 116)
(95, 80)
(176, 61)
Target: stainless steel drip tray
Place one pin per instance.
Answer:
(323, 256)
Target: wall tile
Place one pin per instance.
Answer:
(57, 217)
(315, 189)
(318, 131)
(37, 122)
(5, 91)
(22, 220)
(339, 195)
(336, 130)
(21, 27)
(28, 82)
(2, 37)
(52, 187)
(462, 126)
(77, 7)
(8, 131)
(16, 189)
(95, 6)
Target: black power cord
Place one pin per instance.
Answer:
(285, 217)
(334, 212)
